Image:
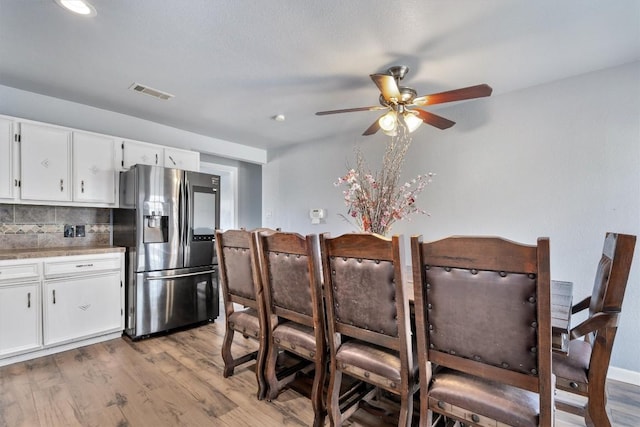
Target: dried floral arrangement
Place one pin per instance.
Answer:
(376, 200)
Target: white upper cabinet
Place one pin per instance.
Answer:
(55, 165)
(7, 179)
(44, 162)
(134, 152)
(181, 159)
(94, 173)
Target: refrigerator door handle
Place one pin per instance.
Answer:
(187, 215)
(176, 276)
(182, 219)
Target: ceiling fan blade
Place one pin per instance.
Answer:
(433, 119)
(375, 126)
(470, 92)
(388, 87)
(351, 110)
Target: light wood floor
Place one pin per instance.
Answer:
(176, 380)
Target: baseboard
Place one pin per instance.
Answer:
(624, 375)
(60, 348)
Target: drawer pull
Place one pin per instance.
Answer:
(82, 186)
(54, 296)
(61, 185)
(28, 299)
(83, 265)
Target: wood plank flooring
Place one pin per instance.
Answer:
(176, 380)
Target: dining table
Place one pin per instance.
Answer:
(561, 303)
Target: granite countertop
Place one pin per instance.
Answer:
(60, 251)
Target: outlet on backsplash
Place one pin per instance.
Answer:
(79, 230)
(68, 230)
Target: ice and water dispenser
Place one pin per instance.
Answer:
(156, 223)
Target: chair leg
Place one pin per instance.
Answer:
(317, 391)
(426, 416)
(596, 408)
(333, 397)
(406, 410)
(230, 363)
(270, 373)
(263, 388)
(227, 357)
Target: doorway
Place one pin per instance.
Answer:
(228, 192)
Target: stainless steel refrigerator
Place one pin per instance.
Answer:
(167, 220)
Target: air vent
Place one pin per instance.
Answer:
(137, 87)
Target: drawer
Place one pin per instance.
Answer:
(19, 272)
(71, 266)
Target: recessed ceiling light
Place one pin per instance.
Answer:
(279, 118)
(81, 7)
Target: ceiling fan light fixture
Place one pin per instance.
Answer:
(390, 132)
(80, 7)
(400, 99)
(388, 122)
(412, 121)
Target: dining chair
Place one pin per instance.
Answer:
(583, 370)
(483, 320)
(240, 285)
(294, 312)
(368, 323)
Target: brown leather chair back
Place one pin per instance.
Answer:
(239, 279)
(294, 311)
(290, 276)
(483, 316)
(236, 273)
(368, 319)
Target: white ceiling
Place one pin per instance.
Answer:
(233, 65)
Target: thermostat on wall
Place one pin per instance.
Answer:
(316, 215)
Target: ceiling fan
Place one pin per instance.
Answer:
(402, 102)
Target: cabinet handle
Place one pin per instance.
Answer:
(82, 186)
(83, 265)
(156, 158)
(15, 182)
(54, 296)
(62, 185)
(28, 299)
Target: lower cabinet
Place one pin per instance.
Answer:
(20, 319)
(54, 304)
(81, 306)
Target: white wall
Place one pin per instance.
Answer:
(560, 160)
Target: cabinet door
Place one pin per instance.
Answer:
(44, 162)
(181, 159)
(6, 159)
(134, 152)
(93, 168)
(19, 318)
(81, 307)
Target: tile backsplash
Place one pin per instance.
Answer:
(32, 226)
